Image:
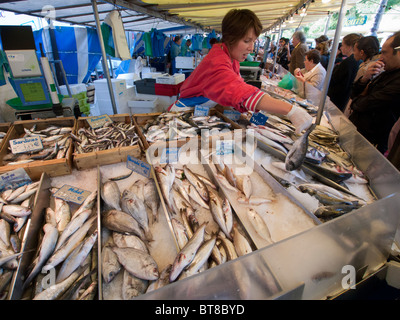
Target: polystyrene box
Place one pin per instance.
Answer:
(143, 106)
(152, 75)
(168, 79)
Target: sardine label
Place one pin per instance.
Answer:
(169, 155)
(224, 147)
(138, 166)
(201, 111)
(14, 179)
(72, 194)
(233, 115)
(22, 145)
(98, 121)
(258, 119)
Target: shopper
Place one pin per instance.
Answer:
(367, 50)
(375, 106)
(282, 57)
(323, 49)
(344, 73)
(174, 52)
(217, 80)
(313, 73)
(186, 49)
(339, 55)
(299, 51)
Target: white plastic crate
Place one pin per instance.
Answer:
(144, 106)
(168, 79)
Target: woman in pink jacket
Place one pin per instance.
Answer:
(217, 79)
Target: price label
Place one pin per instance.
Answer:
(14, 179)
(201, 111)
(138, 166)
(233, 115)
(22, 145)
(170, 155)
(224, 147)
(258, 118)
(72, 194)
(98, 121)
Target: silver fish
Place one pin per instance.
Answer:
(242, 246)
(76, 258)
(166, 177)
(259, 225)
(187, 254)
(9, 261)
(129, 241)
(180, 233)
(132, 286)
(5, 231)
(152, 200)
(162, 280)
(197, 183)
(221, 217)
(137, 263)
(25, 195)
(110, 264)
(16, 210)
(111, 194)
(87, 204)
(50, 217)
(194, 194)
(63, 213)
(122, 222)
(229, 247)
(244, 185)
(297, 153)
(47, 246)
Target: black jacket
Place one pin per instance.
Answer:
(375, 113)
(282, 58)
(342, 78)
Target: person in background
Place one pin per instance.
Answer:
(376, 96)
(323, 48)
(174, 52)
(321, 39)
(217, 79)
(313, 73)
(367, 50)
(186, 51)
(213, 41)
(282, 57)
(344, 73)
(299, 51)
(339, 55)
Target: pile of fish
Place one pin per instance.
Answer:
(109, 136)
(181, 125)
(127, 250)
(65, 252)
(56, 142)
(16, 208)
(322, 154)
(185, 193)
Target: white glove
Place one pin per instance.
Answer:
(299, 118)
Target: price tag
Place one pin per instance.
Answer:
(98, 121)
(233, 115)
(224, 147)
(138, 166)
(22, 145)
(14, 179)
(72, 194)
(170, 155)
(258, 118)
(201, 111)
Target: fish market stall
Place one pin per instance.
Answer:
(51, 151)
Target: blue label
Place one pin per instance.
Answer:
(14, 179)
(72, 194)
(138, 166)
(259, 118)
(170, 155)
(224, 147)
(233, 115)
(201, 111)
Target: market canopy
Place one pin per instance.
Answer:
(176, 16)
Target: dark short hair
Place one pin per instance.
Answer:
(314, 56)
(286, 40)
(177, 38)
(236, 23)
(351, 39)
(396, 41)
(370, 46)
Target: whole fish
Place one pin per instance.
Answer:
(110, 265)
(50, 216)
(180, 233)
(9, 261)
(76, 258)
(152, 200)
(270, 142)
(333, 211)
(253, 200)
(240, 242)
(111, 194)
(259, 225)
(122, 222)
(5, 231)
(15, 243)
(19, 223)
(187, 254)
(72, 226)
(221, 217)
(200, 258)
(243, 183)
(194, 194)
(225, 183)
(178, 201)
(296, 173)
(62, 253)
(47, 246)
(229, 247)
(63, 213)
(167, 177)
(16, 210)
(56, 290)
(15, 193)
(87, 204)
(132, 286)
(25, 195)
(197, 183)
(137, 263)
(132, 205)
(162, 280)
(297, 153)
(130, 241)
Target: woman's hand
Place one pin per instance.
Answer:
(298, 75)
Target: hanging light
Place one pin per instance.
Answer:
(303, 13)
(291, 19)
(326, 1)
